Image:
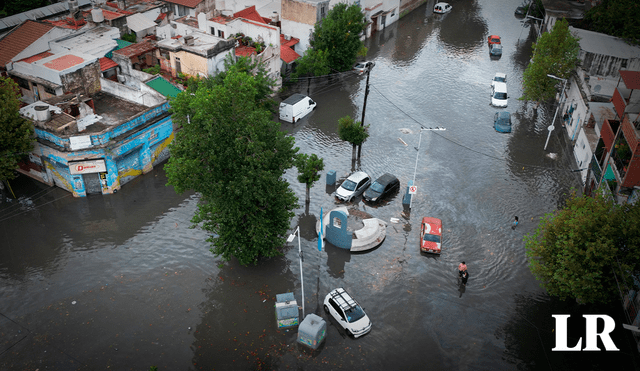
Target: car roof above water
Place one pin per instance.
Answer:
(294, 98)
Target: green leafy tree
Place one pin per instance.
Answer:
(231, 153)
(352, 132)
(575, 251)
(338, 37)
(555, 53)
(616, 18)
(18, 6)
(16, 133)
(309, 167)
(313, 62)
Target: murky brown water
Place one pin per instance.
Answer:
(121, 282)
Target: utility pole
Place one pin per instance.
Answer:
(550, 128)
(364, 106)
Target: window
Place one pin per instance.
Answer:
(49, 90)
(213, 31)
(22, 83)
(221, 34)
(623, 63)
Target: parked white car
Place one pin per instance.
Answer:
(499, 94)
(347, 312)
(499, 77)
(353, 186)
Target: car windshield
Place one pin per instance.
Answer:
(354, 314)
(499, 95)
(377, 187)
(359, 65)
(432, 237)
(499, 79)
(349, 185)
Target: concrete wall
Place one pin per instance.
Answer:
(300, 31)
(190, 64)
(607, 65)
(406, 6)
(143, 95)
(299, 12)
(85, 80)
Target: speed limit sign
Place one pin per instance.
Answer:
(413, 190)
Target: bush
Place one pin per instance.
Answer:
(155, 70)
(130, 37)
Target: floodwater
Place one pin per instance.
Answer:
(121, 281)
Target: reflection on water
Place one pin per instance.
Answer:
(146, 282)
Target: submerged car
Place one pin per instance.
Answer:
(502, 122)
(431, 235)
(442, 8)
(493, 39)
(499, 94)
(362, 67)
(347, 312)
(353, 186)
(496, 50)
(381, 188)
(521, 11)
(499, 77)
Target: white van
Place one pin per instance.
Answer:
(296, 107)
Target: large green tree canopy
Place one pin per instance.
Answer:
(335, 42)
(16, 133)
(575, 251)
(555, 53)
(616, 18)
(229, 151)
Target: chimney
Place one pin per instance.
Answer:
(121, 4)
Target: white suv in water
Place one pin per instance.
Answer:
(499, 94)
(347, 312)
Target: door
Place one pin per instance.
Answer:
(92, 183)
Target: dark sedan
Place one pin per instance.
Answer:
(381, 188)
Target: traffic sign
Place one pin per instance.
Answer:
(413, 190)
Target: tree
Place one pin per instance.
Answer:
(231, 153)
(352, 132)
(555, 53)
(308, 169)
(18, 6)
(616, 18)
(338, 37)
(313, 62)
(576, 250)
(16, 133)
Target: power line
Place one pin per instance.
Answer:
(464, 146)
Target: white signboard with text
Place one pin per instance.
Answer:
(87, 167)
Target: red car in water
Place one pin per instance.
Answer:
(431, 235)
(493, 39)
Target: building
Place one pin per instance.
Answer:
(94, 145)
(298, 19)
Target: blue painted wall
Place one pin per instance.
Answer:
(339, 236)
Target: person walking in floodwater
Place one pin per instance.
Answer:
(515, 223)
(462, 267)
(465, 277)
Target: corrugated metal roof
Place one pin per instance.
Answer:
(121, 44)
(138, 22)
(38, 13)
(164, 87)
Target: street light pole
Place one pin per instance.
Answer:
(415, 169)
(289, 239)
(550, 128)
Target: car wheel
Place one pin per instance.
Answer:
(349, 332)
(326, 309)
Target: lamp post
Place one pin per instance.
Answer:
(415, 169)
(550, 128)
(289, 240)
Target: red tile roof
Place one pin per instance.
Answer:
(245, 51)
(20, 38)
(288, 55)
(36, 57)
(187, 3)
(137, 49)
(109, 15)
(288, 43)
(64, 62)
(250, 13)
(68, 23)
(222, 19)
(161, 16)
(106, 63)
(631, 79)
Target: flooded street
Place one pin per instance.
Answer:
(121, 282)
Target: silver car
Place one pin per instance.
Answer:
(353, 186)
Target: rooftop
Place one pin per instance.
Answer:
(97, 41)
(599, 43)
(20, 38)
(631, 79)
(136, 49)
(187, 3)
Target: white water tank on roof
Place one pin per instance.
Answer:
(275, 17)
(97, 15)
